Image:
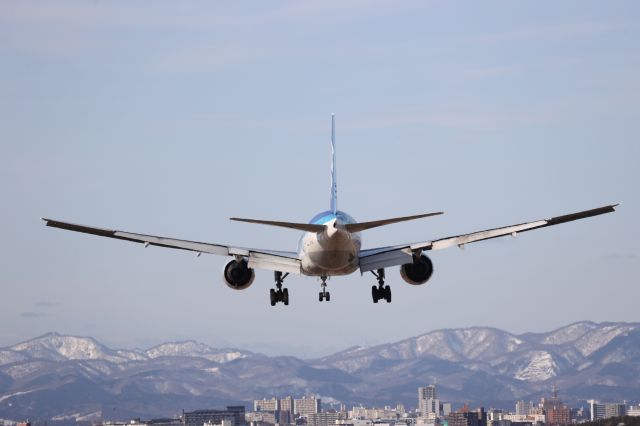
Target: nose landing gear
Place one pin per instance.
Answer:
(381, 291)
(324, 294)
(279, 294)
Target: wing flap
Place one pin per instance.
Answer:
(274, 263)
(385, 259)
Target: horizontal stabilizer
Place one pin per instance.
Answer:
(357, 227)
(307, 227)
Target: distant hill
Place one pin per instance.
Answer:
(58, 377)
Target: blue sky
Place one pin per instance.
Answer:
(170, 117)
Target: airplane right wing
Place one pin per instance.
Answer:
(260, 259)
(384, 257)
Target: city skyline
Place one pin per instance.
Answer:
(276, 411)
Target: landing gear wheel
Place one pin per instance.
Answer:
(380, 291)
(324, 294)
(279, 294)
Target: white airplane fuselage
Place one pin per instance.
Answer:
(332, 252)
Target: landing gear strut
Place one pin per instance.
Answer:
(324, 294)
(381, 291)
(279, 294)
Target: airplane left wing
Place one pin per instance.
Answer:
(260, 259)
(384, 257)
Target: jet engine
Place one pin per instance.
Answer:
(237, 274)
(418, 272)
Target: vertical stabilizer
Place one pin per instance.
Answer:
(334, 184)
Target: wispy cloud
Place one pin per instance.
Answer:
(557, 31)
(208, 57)
(338, 9)
(34, 315)
(621, 256)
(488, 72)
(461, 118)
(47, 304)
(42, 309)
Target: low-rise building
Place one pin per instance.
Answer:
(264, 404)
(261, 418)
(525, 418)
(322, 419)
(234, 414)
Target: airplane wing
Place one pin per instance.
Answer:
(260, 259)
(383, 257)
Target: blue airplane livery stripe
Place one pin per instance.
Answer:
(326, 216)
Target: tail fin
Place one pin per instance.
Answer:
(334, 183)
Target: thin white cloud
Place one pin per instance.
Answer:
(338, 10)
(34, 315)
(207, 57)
(460, 118)
(488, 72)
(548, 32)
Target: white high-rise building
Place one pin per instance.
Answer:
(523, 408)
(306, 406)
(427, 397)
(430, 406)
(427, 392)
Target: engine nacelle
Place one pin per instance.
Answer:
(238, 275)
(418, 272)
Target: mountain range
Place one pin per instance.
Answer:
(63, 378)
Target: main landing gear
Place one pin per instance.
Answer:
(279, 294)
(324, 294)
(381, 291)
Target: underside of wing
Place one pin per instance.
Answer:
(382, 257)
(261, 259)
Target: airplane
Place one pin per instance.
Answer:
(330, 246)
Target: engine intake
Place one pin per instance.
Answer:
(418, 272)
(237, 275)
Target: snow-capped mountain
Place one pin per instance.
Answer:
(194, 349)
(56, 347)
(66, 377)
